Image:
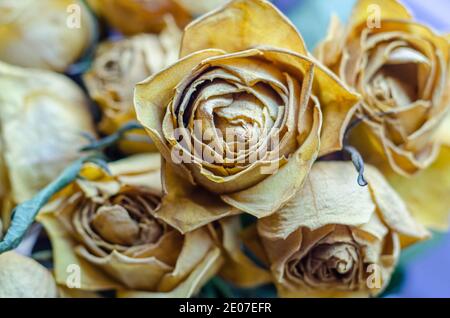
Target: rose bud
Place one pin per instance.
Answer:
(42, 118)
(117, 67)
(336, 238)
(46, 34)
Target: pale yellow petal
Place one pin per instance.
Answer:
(67, 263)
(278, 188)
(241, 25)
(370, 10)
(330, 195)
(425, 193)
(23, 277)
(393, 209)
(187, 207)
(49, 40)
(196, 246)
(153, 95)
(42, 116)
(189, 287)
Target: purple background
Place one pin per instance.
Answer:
(425, 267)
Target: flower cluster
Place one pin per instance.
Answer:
(241, 158)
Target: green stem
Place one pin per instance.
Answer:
(111, 139)
(24, 214)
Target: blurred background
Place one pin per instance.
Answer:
(424, 268)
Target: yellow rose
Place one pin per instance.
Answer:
(47, 34)
(282, 108)
(336, 238)
(138, 16)
(107, 225)
(22, 277)
(117, 67)
(401, 69)
(42, 118)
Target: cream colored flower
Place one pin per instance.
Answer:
(47, 34)
(335, 238)
(22, 277)
(42, 118)
(108, 226)
(259, 87)
(401, 69)
(118, 66)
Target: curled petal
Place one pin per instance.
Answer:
(186, 207)
(336, 238)
(352, 204)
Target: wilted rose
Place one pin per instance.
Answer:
(335, 238)
(280, 108)
(401, 69)
(42, 118)
(106, 225)
(23, 277)
(118, 66)
(47, 34)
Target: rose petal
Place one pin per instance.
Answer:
(241, 25)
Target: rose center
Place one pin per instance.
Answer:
(330, 262)
(127, 220)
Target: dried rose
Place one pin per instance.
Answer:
(335, 238)
(107, 225)
(23, 277)
(47, 34)
(401, 69)
(117, 67)
(42, 118)
(282, 108)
